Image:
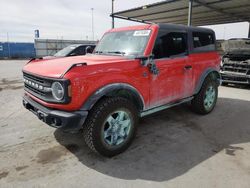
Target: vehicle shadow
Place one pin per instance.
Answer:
(170, 143)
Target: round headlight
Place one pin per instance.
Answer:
(57, 91)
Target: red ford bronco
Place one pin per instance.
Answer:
(133, 72)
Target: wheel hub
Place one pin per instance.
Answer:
(209, 97)
(117, 128)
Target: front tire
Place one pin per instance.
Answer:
(111, 126)
(205, 101)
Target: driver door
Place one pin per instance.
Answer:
(174, 81)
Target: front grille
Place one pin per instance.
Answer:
(34, 78)
(237, 79)
(40, 87)
(243, 68)
(37, 86)
(37, 91)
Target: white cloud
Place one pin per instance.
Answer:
(69, 19)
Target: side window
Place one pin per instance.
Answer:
(79, 50)
(91, 48)
(203, 41)
(170, 44)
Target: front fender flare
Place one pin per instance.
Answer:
(105, 90)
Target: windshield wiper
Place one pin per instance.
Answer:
(116, 52)
(98, 52)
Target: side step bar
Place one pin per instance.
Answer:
(163, 107)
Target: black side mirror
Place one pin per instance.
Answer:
(150, 63)
(88, 50)
(145, 60)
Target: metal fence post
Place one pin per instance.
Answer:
(190, 9)
(249, 30)
(113, 18)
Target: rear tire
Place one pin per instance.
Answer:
(111, 126)
(205, 101)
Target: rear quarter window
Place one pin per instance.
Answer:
(203, 42)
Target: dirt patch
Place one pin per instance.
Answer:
(4, 174)
(12, 87)
(10, 84)
(51, 155)
(19, 168)
(5, 125)
(15, 87)
(5, 81)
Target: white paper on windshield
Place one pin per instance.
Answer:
(142, 33)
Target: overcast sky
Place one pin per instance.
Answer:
(71, 19)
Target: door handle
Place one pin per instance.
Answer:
(188, 67)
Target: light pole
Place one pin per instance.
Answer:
(113, 19)
(92, 13)
(190, 12)
(8, 42)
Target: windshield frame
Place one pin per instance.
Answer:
(122, 53)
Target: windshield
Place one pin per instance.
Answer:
(65, 51)
(123, 43)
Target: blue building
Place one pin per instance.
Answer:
(16, 50)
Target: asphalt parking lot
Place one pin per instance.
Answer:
(173, 148)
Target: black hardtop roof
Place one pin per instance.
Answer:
(184, 28)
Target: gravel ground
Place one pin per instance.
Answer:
(173, 148)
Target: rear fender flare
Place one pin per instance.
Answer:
(204, 75)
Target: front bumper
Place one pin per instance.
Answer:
(237, 78)
(67, 121)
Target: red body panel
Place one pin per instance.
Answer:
(203, 61)
(55, 67)
(85, 80)
(172, 83)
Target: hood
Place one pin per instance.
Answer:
(56, 67)
(237, 46)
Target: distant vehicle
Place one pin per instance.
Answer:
(75, 50)
(235, 65)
